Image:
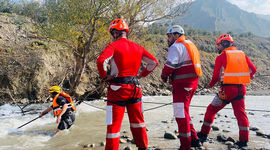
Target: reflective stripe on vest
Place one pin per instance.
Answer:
(236, 74)
(237, 70)
(243, 128)
(137, 125)
(176, 66)
(197, 65)
(193, 53)
(113, 135)
(183, 76)
(185, 134)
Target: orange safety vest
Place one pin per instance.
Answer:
(58, 109)
(237, 70)
(193, 52)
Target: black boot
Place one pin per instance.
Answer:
(196, 143)
(141, 148)
(241, 144)
(202, 137)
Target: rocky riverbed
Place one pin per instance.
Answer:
(89, 129)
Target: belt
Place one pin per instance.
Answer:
(125, 103)
(125, 80)
(222, 84)
(238, 97)
(184, 76)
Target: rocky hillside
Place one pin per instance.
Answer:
(31, 63)
(220, 15)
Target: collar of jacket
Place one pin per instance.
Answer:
(229, 48)
(181, 39)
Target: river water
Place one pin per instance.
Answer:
(90, 125)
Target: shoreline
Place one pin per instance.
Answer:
(225, 121)
(90, 126)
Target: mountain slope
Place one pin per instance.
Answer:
(220, 15)
(266, 17)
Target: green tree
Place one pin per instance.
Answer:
(6, 6)
(83, 24)
(80, 25)
(35, 11)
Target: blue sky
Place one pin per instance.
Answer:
(255, 6)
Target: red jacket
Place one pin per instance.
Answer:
(220, 65)
(125, 59)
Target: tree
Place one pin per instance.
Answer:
(79, 24)
(83, 24)
(34, 10)
(5, 6)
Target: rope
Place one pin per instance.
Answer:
(259, 110)
(94, 106)
(28, 122)
(163, 104)
(158, 106)
(156, 103)
(263, 75)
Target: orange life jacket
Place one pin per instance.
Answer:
(58, 109)
(237, 70)
(193, 52)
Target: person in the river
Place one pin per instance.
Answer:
(233, 70)
(125, 58)
(63, 108)
(182, 69)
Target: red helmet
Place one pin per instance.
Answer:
(224, 37)
(118, 24)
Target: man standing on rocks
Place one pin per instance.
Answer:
(63, 108)
(124, 90)
(183, 69)
(233, 70)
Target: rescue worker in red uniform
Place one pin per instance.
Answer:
(124, 90)
(183, 69)
(63, 108)
(233, 70)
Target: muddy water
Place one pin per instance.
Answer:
(90, 127)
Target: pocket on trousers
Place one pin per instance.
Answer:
(216, 101)
(179, 110)
(109, 115)
(115, 87)
(188, 89)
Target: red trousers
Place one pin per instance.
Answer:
(115, 114)
(230, 92)
(182, 95)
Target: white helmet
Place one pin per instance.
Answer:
(176, 28)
